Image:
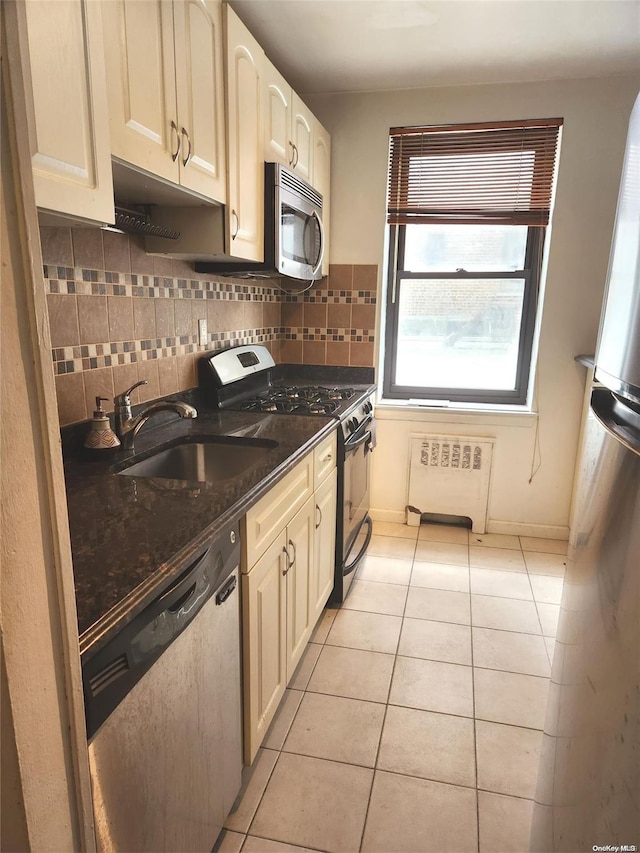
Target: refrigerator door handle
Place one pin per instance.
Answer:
(601, 408)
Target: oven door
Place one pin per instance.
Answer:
(357, 450)
(300, 236)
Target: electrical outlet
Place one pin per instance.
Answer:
(202, 333)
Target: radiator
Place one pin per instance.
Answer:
(449, 475)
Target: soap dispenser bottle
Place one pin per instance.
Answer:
(100, 435)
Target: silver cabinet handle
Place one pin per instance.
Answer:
(288, 559)
(319, 521)
(174, 154)
(293, 154)
(235, 233)
(293, 561)
(188, 157)
(295, 151)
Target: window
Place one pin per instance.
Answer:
(468, 206)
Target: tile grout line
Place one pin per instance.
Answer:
(280, 750)
(386, 709)
(473, 699)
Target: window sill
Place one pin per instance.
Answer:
(466, 413)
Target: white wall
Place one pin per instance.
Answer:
(595, 114)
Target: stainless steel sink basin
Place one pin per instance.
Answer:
(203, 461)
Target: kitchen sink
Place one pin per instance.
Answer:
(205, 461)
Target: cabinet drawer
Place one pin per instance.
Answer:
(272, 513)
(324, 459)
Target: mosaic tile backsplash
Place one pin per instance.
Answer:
(118, 315)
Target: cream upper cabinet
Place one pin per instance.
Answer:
(302, 122)
(322, 181)
(278, 145)
(245, 202)
(200, 90)
(166, 96)
(61, 47)
(138, 39)
(288, 124)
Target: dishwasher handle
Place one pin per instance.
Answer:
(172, 597)
(226, 590)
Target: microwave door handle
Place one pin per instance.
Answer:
(318, 263)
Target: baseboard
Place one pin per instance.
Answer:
(398, 516)
(539, 531)
(513, 528)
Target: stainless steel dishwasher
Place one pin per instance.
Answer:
(164, 713)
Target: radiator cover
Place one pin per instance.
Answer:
(450, 475)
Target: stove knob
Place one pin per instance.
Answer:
(352, 423)
(368, 407)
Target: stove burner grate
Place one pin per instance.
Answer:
(311, 400)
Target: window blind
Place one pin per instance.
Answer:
(473, 174)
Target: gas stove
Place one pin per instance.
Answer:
(242, 378)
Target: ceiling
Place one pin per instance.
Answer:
(361, 45)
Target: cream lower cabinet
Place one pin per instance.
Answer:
(324, 543)
(288, 559)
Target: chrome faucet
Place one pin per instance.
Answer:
(127, 427)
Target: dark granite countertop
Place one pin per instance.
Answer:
(131, 536)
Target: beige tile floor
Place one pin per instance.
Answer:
(413, 722)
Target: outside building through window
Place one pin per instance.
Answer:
(467, 214)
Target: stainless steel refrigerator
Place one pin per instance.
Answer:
(588, 787)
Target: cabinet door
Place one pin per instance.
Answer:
(322, 181)
(300, 549)
(138, 40)
(271, 514)
(278, 147)
(321, 582)
(200, 92)
(69, 124)
(302, 136)
(245, 150)
(264, 617)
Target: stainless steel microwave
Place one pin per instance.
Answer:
(293, 234)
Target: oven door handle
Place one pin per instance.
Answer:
(352, 565)
(353, 446)
(352, 443)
